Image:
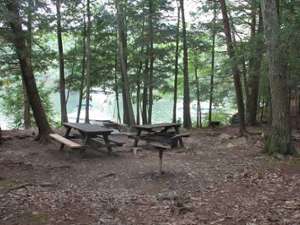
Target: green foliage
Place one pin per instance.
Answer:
(12, 99)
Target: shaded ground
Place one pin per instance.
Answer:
(217, 179)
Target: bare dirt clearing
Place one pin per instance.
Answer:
(217, 179)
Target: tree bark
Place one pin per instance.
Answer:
(122, 46)
(82, 71)
(62, 89)
(234, 66)
(256, 54)
(211, 91)
(279, 140)
(187, 122)
(22, 51)
(176, 66)
(88, 63)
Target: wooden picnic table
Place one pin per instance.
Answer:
(161, 130)
(162, 136)
(87, 132)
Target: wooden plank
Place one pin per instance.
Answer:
(88, 128)
(160, 146)
(118, 143)
(180, 135)
(157, 125)
(65, 141)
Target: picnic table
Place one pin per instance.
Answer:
(166, 133)
(88, 132)
(161, 136)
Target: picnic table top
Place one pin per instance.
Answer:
(88, 128)
(157, 125)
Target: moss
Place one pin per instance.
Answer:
(279, 142)
(34, 218)
(6, 184)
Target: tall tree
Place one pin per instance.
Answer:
(27, 116)
(211, 91)
(187, 122)
(83, 64)
(176, 65)
(122, 51)
(234, 66)
(199, 114)
(88, 63)
(62, 89)
(117, 88)
(14, 20)
(256, 53)
(139, 75)
(279, 140)
(151, 58)
(145, 90)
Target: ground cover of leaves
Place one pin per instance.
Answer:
(218, 178)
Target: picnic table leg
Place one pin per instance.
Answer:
(84, 143)
(160, 152)
(136, 140)
(68, 130)
(180, 139)
(107, 143)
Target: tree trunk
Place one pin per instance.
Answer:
(187, 123)
(151, 60)
(62, 89)
(26, 112)
(279, 140)
(117, 89)
(145, 92)
(22, 51)
(211, 91)
(138, 82)
(88, 64)
(176, 66)
(234, 66)
(256, 54)
(82, 71)
(199, 114)
(122, 46)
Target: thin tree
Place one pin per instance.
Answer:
(88, 63)
(62, 89)
(151, 59)
(211, 91)
(117, 84)
(145, 89)
(279, 140)
(83, 64)
(176, 65)
(187, 123)
(256, 54)
(26, 113)
(122, 50)
(234, 67)
(199, 114)
(19, 40)
(139, 75)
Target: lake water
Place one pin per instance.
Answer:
(104, 107)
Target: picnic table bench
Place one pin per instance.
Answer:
(87, 133)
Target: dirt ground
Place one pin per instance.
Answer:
(218, 178)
